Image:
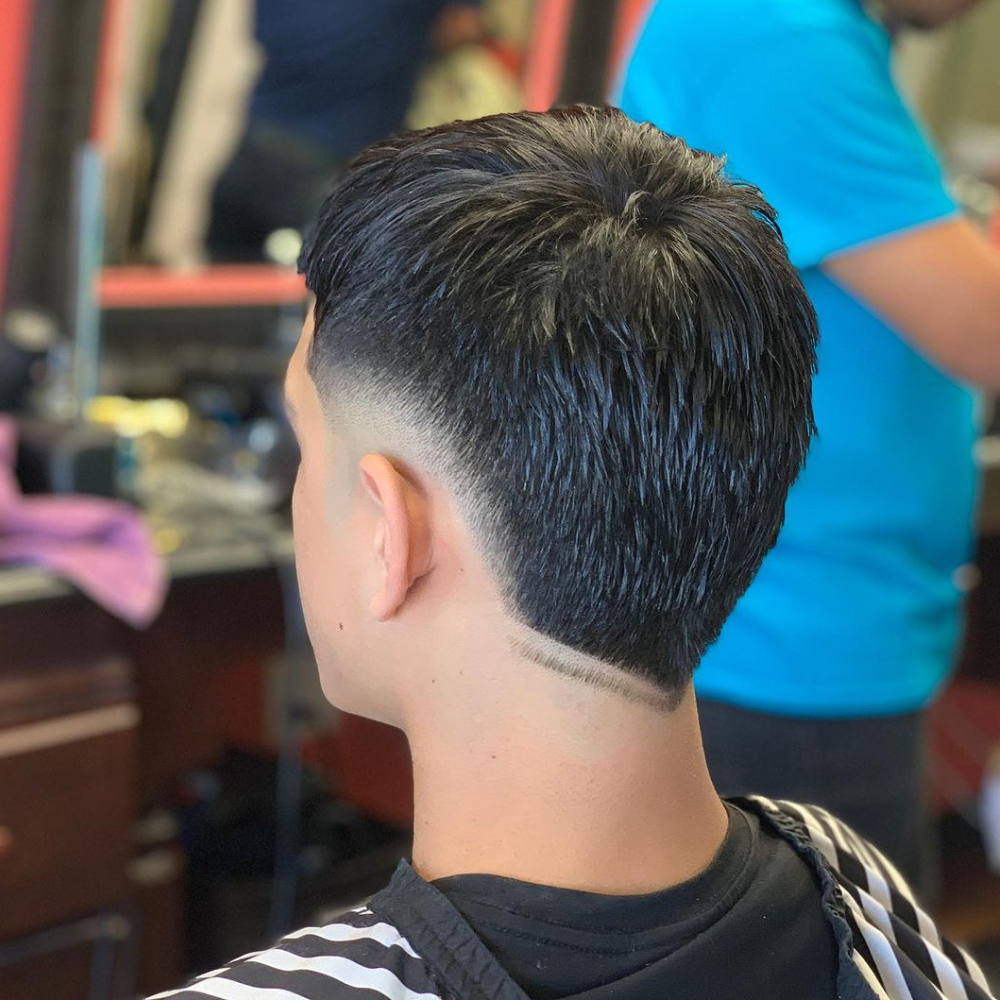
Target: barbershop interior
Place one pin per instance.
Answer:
(178, 783)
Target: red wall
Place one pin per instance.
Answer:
(15, 40)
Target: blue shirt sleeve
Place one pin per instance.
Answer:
(814, 119)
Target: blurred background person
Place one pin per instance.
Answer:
(336, 76)
(830, 660)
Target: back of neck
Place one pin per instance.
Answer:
(591, 792)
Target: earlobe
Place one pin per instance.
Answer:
(401, 538)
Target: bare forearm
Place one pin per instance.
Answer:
(940, 289)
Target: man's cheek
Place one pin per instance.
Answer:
(307, 513)
(306, 525)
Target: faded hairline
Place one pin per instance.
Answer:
(350, 396)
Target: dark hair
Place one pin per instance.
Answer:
(607, 343)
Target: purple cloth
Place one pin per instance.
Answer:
(101, 546)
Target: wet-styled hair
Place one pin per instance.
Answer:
(602, 340)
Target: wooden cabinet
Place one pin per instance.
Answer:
(98, 725)
(68, 737)
(66, 804)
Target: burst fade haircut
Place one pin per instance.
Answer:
(605, 346)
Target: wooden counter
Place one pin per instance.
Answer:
(98, 724)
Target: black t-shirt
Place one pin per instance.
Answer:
(751, 924)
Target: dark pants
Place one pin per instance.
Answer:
(869, 772)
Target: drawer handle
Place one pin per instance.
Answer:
(6, 842)
(67, 729)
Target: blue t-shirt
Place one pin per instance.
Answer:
(857, 609)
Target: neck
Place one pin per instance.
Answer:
(573, 787)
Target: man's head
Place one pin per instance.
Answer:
(556, 392)
(927, 13)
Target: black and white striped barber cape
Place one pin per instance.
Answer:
(409, 943)
(891, 942)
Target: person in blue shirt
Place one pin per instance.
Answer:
(817, 687)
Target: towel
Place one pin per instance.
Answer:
(101, 546)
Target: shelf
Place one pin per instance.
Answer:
(218, 285)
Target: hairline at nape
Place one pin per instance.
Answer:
(418, 443)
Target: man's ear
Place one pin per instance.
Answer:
(402, 534)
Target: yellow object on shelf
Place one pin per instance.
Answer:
(133, 418)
